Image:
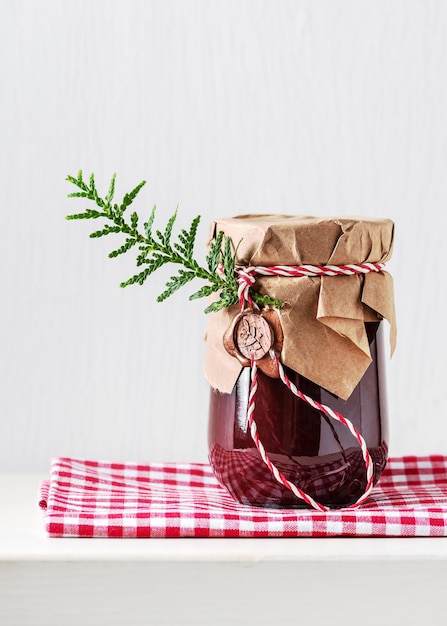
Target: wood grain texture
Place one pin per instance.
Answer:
(225, 107)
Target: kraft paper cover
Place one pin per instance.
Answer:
(323, 319)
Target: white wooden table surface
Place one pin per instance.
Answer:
(215, 582)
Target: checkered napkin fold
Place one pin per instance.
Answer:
(100, 499)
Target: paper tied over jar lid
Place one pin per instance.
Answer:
(324, 336)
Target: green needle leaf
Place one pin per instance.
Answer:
(154, 252)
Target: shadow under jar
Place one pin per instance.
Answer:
(314, 452)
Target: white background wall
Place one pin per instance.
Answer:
(325, 107)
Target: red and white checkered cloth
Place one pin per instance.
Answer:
(99, 499)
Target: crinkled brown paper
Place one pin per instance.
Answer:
(323, 320)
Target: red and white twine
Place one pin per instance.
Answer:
(319, 407)
(246, 277)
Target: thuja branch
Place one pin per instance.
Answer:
(156, 248)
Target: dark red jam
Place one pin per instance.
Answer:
(314, 452)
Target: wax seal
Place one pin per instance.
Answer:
(252, 335)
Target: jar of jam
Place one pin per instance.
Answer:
(332, 349)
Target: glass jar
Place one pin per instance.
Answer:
(327, 333)
(315, 453)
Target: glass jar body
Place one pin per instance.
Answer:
(313, 451)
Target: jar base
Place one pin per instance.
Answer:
(335, 481)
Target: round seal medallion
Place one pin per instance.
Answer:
(253, 336)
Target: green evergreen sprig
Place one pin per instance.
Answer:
(156, 248)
